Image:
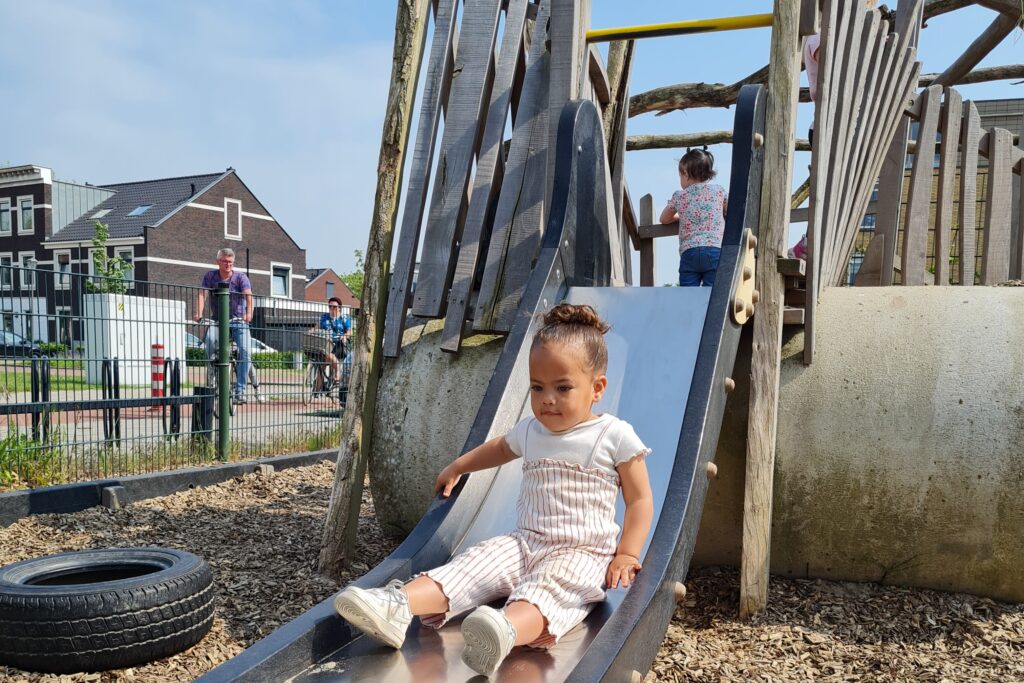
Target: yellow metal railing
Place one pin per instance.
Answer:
(679, 28)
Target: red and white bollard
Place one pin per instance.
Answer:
(156, 364)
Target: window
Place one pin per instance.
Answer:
(128, 254)
(6, 271)
(281, 280)
(101, 213)
(139, 210)
(63, 323)
(25, 222)
(27, 261)
(232, 219)
(329, 289)
(8, 320)
(62, 267)
(5, 217)
(869, 222)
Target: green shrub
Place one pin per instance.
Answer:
(195, 357)
(274, 359)
(53, 349)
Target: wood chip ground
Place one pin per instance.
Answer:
(261, 535)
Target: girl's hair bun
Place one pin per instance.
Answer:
(572, 314)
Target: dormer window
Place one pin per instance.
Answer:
(139, 210)
(101, 213)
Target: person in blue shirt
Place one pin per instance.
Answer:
(340, 327)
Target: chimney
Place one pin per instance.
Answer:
(193, 192)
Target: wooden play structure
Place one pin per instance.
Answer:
(476, 228)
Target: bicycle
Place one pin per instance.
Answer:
(213, 372)
(318, 380)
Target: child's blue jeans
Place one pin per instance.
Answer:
(697, 266)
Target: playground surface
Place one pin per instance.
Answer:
(261, 535)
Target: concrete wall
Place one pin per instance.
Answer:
(901, 448)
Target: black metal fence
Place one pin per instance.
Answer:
(103, 377)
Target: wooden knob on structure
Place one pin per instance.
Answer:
(758, 140)
(756, 296)
(712, 470)
(740, 305)
(730, 384)
(752, 242)
(680, 591)
(748, 272)
(636, 677)
(750, 310)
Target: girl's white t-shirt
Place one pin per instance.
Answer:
(532, 440)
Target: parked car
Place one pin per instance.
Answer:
(260, 347)
(12, 344)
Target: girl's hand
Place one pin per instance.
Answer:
(622, 570)
(447, 480)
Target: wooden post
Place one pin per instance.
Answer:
(339, 536)
(647, 264)
(783, 88)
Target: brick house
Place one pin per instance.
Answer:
(168, 229)
(323, 283)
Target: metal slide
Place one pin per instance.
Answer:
(670, 352)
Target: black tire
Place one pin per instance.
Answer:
(96, 610)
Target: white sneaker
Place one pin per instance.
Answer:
(260, 398)
(381, 613)
(489, 637)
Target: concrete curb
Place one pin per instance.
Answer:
(83, 495)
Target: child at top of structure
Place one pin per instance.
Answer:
(566, 546)
(700, 208)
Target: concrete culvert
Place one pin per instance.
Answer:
(96, 610)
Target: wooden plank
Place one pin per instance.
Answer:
(893, 100)
(840, 132)
(795, 267)
(656, 230)
(783, 89)
(864, 73)
(629, 218)
(995, 264)
(490, 169)
(793, 316)
(810, 18)
(890, 186)
(598, 77)
(435, 95)
(518, 217)
(915, 228)
(615, 135)
(967, 214)
(648, 273)
(949, 128)
(870, 268)
(1018, 253)
(472, 74)
(566, 29)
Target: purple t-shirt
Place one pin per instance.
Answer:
(237, 284)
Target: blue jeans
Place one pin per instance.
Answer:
(697, 266)
(240, 335)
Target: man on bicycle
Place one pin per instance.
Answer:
(340, 327)
(239, 310)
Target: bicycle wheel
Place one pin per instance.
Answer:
(310, 385)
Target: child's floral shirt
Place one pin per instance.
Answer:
(701, 209)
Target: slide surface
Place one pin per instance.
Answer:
(671, 351)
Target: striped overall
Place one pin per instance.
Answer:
(556, 559)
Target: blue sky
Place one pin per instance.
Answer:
(292, 95)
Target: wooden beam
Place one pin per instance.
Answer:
(337, 544)
(518, 217)
(463, 128)
(647, 251)
(435, 97)
(793, 267)
(810, 18)
(949, 128)
(490, 170)
(979, 49)
(783, 82)
(599, 77)
(915, 227)
(995, 265)
(656, 230)
(967, 214)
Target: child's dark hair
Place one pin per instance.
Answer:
(334, 300)
(699, 164)
(580, 327)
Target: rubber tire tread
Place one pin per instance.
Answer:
(97, 627)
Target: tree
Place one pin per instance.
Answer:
(354, 280)
(110, 270)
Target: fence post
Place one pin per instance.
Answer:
(156, 373)
(35, 398)
(223, 371)
(44, 385)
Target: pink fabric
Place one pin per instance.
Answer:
(701, 209)
(811, 63)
